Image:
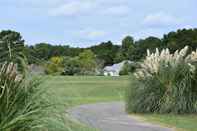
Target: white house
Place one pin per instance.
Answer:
(114, 70)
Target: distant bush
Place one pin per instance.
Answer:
(55, 65)
(87, 62)
(71, 66)
(84, 64)
(128, 68)
(165, 83)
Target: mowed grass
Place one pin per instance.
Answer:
(76, 90)
(68, 91)
(179, 122)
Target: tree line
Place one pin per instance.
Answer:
(103, 54)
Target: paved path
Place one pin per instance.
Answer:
(111, 117)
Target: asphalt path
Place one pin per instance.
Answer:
(111, 117)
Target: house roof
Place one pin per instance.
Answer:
(115, 67)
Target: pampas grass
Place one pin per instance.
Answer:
(165, 83)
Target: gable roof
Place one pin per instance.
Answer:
(115, 67)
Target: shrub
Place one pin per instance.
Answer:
(165, 83)
(71, 66)
(128, 68)
(84, 64)
(54, 66)
(25, 105)
(87, 62)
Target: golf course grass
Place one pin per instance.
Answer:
(77, 90)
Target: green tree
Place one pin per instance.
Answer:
(106, 51)
(128, 68)
(87, 61)
(11, 45)
(119, 57)
(55, 65)
(44, 51)
(142, 45)
(71, 66)
(12, 49)
(127, 46)
(179, 39)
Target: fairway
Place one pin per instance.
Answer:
(77, 90)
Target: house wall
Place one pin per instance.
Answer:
(110, 73)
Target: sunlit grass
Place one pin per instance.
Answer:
(179, 122)
(83, 89)
(65, 91)
(71, 91)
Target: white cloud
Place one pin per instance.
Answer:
(187, 27)
(72, 8)
(161, 19)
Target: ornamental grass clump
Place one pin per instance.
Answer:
(24, 105)
(20, 108)
(165, 83)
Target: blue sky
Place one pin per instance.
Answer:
(88, 22)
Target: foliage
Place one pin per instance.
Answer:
(165, 83)
(179, 39)
(142, 45)
(71, 66)
(22, 103)
(87, 61)
(84, 64)
(119, 57)
(12, 48)
(44, 51)
(127, 47)
(55, 65)
(106, 51)
(128, 68)
(20, 109)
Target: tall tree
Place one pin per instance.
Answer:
(127, 46)
(148, 43)
(12, 50)
(181, 38)
(106, 51)
(87, 61)
(11, 45)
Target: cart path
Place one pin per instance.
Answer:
(111, 117)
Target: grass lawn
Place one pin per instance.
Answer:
(75, 90)
(180, 122)
(86, 89)
(78, 90)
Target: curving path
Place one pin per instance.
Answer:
(111, 117)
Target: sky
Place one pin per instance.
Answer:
(88, 22)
